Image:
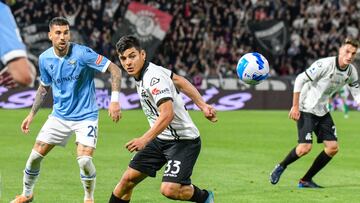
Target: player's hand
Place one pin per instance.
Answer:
(209, 112)
(115, 111)
(26, 124)
(294, 113)
(7, 80)
(136, 144)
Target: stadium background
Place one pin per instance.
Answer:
(203, 43)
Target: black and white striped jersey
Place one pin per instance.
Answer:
(154, 85)
(323, 78)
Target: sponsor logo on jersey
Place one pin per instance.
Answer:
(67, 79)
(144, 94)
(156, 91)
(99, 59)
(312, 70)
(154, 81)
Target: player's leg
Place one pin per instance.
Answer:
(87, 170)
(123, 190)
(54, 132)
(86, 138)
(145, 163)
(305, 126)
(32, 171)
(190, 192)
(182, 156)
(326, 133)
(345, 107)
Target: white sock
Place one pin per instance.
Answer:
(31, 172)
(87, 175)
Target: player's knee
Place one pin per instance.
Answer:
(303, 149)
(332, 150)
(127, 182)
(86, 165)
(34, 160)
(169, 190)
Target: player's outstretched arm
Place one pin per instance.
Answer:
(166, 115)
(189, 90)
(39, 99)
(114, 108)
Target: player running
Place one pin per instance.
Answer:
(312, 90)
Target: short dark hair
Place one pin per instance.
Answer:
(127, 42)
(58, 21)
(352, 42)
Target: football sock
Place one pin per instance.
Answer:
(199, 195)
(87, 175)
(321, 160)
(31, 172)
(291, 157)
(114, 199)
(346, 109)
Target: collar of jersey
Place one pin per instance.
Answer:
(67, 54)
(143, 70)
(338, 66)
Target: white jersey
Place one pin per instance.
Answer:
(324, 78)
(155, 85)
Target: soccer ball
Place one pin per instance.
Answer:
(252, 68)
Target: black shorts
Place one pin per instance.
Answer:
(179, 156)
(322, 126)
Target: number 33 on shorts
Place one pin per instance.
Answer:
(172, 168)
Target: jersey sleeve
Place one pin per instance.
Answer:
(95, 60)
(316, 70)
(159, 86)
(45, 78)
(11, 43)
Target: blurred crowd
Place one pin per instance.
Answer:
(207, 37)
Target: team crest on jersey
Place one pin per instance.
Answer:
(319, 64)
(51, 66)
(154, 81)
(72, 61)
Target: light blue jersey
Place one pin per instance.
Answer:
(72, 81)
(11, 43)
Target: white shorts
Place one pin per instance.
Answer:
(56, 131)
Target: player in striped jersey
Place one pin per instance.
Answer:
(312, 90)
(172, 139)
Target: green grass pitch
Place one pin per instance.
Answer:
(238, 153)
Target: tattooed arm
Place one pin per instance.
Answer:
(39, 99)
(114, 107)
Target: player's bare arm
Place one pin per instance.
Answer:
(163, 121)
(294, 111)
(114, 108)
(39, 99)
(189, 90)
